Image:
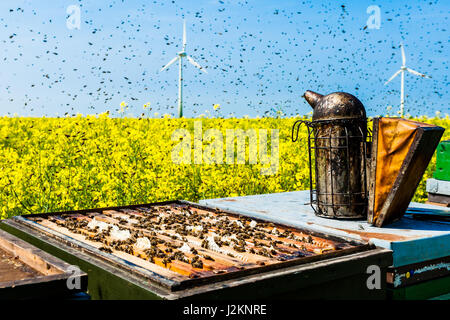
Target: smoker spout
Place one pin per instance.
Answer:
(312, 98)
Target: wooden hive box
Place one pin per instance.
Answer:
(27, 272)
(285, 262)
(443, 161)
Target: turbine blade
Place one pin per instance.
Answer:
(393, 76)
(195, 64)
(403, 54)
(170, 63)
(184, 34)
(417, 73)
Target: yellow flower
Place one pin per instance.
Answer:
(216, 106)
(69, 163)
(123, 106)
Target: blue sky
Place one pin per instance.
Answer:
(260, 55)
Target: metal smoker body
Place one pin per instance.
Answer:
(338, 136)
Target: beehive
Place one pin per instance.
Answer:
(443, 161)
(179, 244)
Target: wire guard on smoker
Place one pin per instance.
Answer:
(338, 146)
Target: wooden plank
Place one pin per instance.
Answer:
(35, 258)
(106, 281)
(13, 268)
(30, 258)
(50, 275)
(438, 187)
(440, 199)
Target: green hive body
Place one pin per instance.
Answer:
(443, 161)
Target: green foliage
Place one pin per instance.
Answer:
(56, 164)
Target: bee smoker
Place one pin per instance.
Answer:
(337, 144)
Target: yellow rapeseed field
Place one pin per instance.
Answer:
(55, 164)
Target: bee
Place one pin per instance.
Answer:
(218, 240)
(273, 243)
(105, 249)
(264, 252)
(160, 254)
(166, 261)
(206, 257)
(178, 255)
(196, 262)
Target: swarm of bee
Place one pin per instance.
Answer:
(182, 234)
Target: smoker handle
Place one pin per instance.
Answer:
(298, 124)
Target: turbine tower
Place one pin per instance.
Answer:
(402, 70)
(182, 54)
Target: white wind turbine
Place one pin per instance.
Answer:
(402, 70)
(180, 57)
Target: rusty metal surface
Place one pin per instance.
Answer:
(340, 178)
(337, 144)
(411, 240)
(336, 105)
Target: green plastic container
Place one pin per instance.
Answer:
(443, 161)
